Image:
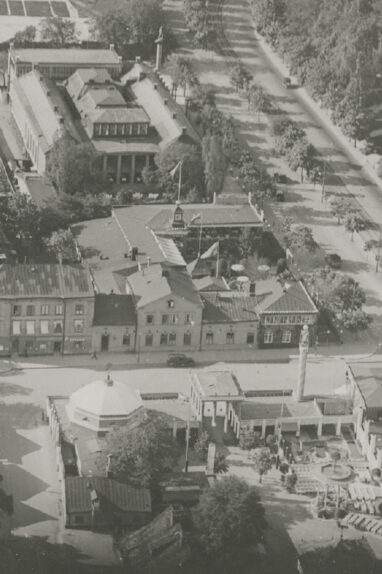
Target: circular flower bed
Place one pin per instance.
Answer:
(336, 471)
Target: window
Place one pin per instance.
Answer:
(135, 129)
(164, 319)
(174, 318)
(149, 340)
(113, 129)
(59, 310)
(209, 338)
(78, 345)
(172, 339)
(269, 320)
(126, 340)
(187, 339)
(230, 337)
(286, 337)
(250, 338)
(30, 310)
(17, 310)
(163, 338)
(283, 319)
(188, 319)
(44, 309)
(57, 326)
(268, 337)
(171, 304)
(44, 327)
(149, 319)
(16, 327)
(78, 325)
(30, 327)
(43, 346)
(79, 309)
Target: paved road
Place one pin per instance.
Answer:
(303, 202)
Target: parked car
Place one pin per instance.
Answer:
(280, 177)
(333, 260)
(180, 360)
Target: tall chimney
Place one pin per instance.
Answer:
(159, 55)
(304, 349)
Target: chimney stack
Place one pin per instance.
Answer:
(304, 350)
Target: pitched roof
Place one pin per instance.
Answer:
(78, 56)
(122, 496)
(228, 308)
(157, 281)
(118, 115)
(210, 284)
(44, 280)
(114, 309)
(77, 82)
(273, 297)
(369, 381)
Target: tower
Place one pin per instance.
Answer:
(159, 43)
(178, 217)
(304, 349)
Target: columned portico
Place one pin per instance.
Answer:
(123, 168)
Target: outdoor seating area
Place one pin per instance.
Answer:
(363, 522)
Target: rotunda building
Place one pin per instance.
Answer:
(103, 405)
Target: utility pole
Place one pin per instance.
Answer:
(378, 254)
(323, 183)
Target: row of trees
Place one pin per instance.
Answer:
(196, 16)
(347, 214)
(291, 142)
(58, 31)
(336, 53)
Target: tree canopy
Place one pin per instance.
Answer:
(58, 30)
(142, 455)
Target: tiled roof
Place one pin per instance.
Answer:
(121, 496)
(44, 280)
(217, 383)
(273, 297)
(211, 215)
(119, 115)
(122, 146)
(65, 56)
(77, 82)
(114, 309)
(228, 308)
(101, 97)
(38, 187)
(151, 284)
(369, 381)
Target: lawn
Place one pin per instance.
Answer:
(38, 9)
(60, 9)
(16, 8)
(88, 8)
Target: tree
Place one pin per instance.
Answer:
(215, 163)
(112, 28)
(181, 72)
(300, 237)
(335, 455)
(301, 155)
(258, 100)
(72, 166)
(287, 139)
(201, 444)
(250, 439)
(347, 294)
(240, 77)
(347, 557)
(354, 223)
(63, 245)
(196, 16)
(290, 481)
(221, 465)
(229, 518)
(58, 31)
(354, 320)
(262, 461)
(141, 456)
(339, 207)
(192, 169)
(25, 36)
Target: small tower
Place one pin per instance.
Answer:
(304, 350)
(159, 56)
(178, 218)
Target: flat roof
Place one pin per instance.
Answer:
(215, 384)
(81, 56)
(259, 408)
(368, 378)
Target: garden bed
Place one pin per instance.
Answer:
(16, 8)
(38, 9)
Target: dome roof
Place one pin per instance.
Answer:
(106, 399)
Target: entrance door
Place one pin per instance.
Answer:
(105, 343)
(57, 347)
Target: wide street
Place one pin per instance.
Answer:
(236, 38)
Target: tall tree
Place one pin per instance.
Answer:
(112, 27)
(301, 155)
(262, 461)
(215, 163)
(58, 31)
(258, 100)
(181, 72)
(353, 223)
(25, 36)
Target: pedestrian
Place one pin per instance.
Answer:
(277, 461)
(94, 355)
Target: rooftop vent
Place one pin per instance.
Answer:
(155, 86)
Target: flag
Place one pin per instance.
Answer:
(211, 251)
(175, 169)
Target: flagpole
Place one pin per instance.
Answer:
(217, 261)
(180, 180)
(200, 237)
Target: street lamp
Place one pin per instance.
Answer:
(327, 336)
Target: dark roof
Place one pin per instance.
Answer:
(70, 56)
(226, 307)
(185, 480)
(114, 309)
(369, 381)
(44, 280)
(287, 298)
(122, 496)
(211, 284)
(251, 410)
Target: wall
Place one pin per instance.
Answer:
(158, 308)
(278, 330)
(220, 330)
(76, 341)
(116, 334)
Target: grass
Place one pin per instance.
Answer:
(38, 9)
(60, 9)
(88, 8)
(16, 8)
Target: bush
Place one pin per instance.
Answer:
(334, 260)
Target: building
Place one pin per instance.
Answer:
(114, 323)
(60, 63)
(100, 502)
(364, 381)
(45, 309)
(42, 116)
(6, 511)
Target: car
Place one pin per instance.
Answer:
(287, 82)
(280, 177)
(180, 360)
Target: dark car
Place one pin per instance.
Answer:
(180, 360)
(280, 177)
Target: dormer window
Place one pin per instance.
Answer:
(171, 304)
